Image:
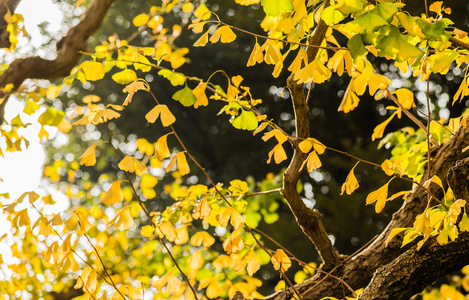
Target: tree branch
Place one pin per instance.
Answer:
(67, 53)
(411, 272)
(308, 219)
(358, 270)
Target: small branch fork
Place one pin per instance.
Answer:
(308, 219)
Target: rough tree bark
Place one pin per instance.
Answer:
(411, 272)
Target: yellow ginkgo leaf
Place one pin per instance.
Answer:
(166, 229)
(144, 146)
(405, 98)
(278, 153)
(202, 41)
(90, 99)
(132, 88)
(199, 93)
(312, 162)
(32, 196)
(93, 70)
(163, 112)
(105, 115)
(256, 56)
(123, 219)
(224, 34)
(248, 261)
(182, 165)
(224, 216)
(161, 147)
(306, 145)
(173, 283)
(394, 232)
(350, 184)
(280, 260)
(379, 196)
(181, 236)
(202, 238)
(114, 194)
(279, 135)
(147, 231)
(313, 72)
(350, 101)
(222, 261)
(388, 167)
(89, 157)
(379, 130)
(132, 165)
(196, 261)
(141, 20)
(234, 243)
(160, 282)
(202, 210)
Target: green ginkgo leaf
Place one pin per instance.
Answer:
(246, 120)
(396, 46)
(275, 8)
(174, 77)
(185, 96)
(367, 22)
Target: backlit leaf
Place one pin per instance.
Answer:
(280, 260)
(350, 184)
(223, 34)
(174, 77)
(247, 120)
(88, 158)
(141, 20)
(234, 243)
(349, 102)
(379, 196)
(113, 195)
(185, 96)
(274, 8)
(162, 111)
(396, 46)
(405, 98)
(199, 93)
(93, 70)
(125, 76)
(202, 238)
(379, 130)
(132, 165)
(278, 153)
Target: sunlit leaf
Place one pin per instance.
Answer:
(185, 96)
(350, 184)
(379, 196)
(162, 111)
(132, 165)
(88, 158)
(280, 260)
(276, 7)
(113, 195)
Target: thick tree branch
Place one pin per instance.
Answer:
(411, 272)
(358, 270)
(67, 53)
(308, 219)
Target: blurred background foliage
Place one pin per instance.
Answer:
(227, 153)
